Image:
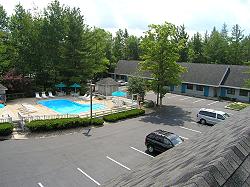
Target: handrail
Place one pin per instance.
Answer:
(6, 119)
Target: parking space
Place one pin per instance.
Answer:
(78, 160)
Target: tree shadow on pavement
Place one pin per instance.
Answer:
(169, 115)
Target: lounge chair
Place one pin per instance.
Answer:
(83, 96)
(38, 96)
(87, 98)
(44, 95)
(29, 108)
(51, 95)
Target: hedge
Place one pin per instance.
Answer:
(65, 123)
(123, 115)
(6, 129)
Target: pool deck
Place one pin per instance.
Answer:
(13, 107)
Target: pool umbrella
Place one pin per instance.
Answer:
(75, 86)
(119, 94)
(60, 85)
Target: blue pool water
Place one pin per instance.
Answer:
(64, 106)
(1, 105)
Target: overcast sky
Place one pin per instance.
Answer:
(136, 15)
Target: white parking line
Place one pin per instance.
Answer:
(40, 184)
(198, 100)
(172, 96)
(191, 129)
(184, 138)
(184, 99)
(142, 151)
(118, 163)
(89, 176)
(212, 103)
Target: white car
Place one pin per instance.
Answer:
(209, 116)
(122, 82)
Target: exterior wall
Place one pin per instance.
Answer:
(238, 97)
(193, 92)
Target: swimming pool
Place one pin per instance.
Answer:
(64, 106)
(1, 105)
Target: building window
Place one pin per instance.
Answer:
(244, 93)
(189, 86)
(230, 91)
(199, 88)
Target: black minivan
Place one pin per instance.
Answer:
(161, 141)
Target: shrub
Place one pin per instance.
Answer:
(123, 115)
(65, 123)
(6, 129)
(237, 106)
(148, 103)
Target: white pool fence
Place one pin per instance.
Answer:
(95, 114)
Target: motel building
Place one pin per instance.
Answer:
(201, 80)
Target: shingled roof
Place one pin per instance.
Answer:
(237, 76)
(130, 67)
(209, 74)
(218, 157)
(3, 87)
(107, 81)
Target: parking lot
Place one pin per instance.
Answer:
(109, 151)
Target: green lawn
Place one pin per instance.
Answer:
(237, 106)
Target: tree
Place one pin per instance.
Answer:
(72, 67)
(196, 49)
(6, 49)
(53, 34)
(236, 47)
(160, 53)
(182, 37)
(20, 38)
(118, 47)
(246, 49)
(137, 85)
(216, 48)
(133, 43)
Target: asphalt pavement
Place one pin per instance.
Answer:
(107, 152)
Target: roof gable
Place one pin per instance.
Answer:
(107, 81)
(237, 76)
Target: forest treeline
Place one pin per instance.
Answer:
(56, 45)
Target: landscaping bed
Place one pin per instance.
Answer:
(66, 123)
(6, 129)
(123, 115)
(237, 106)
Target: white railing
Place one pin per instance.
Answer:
(7, 119)
(24, 119)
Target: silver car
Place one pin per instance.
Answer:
(209, 116)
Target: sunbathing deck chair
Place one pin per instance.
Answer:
(83, 96)
(38, 96)
(29, 108)
(51, 95)
(44, 95)
(88, 97)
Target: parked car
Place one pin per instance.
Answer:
(161, 141)
(209, 116)
(122, 82)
